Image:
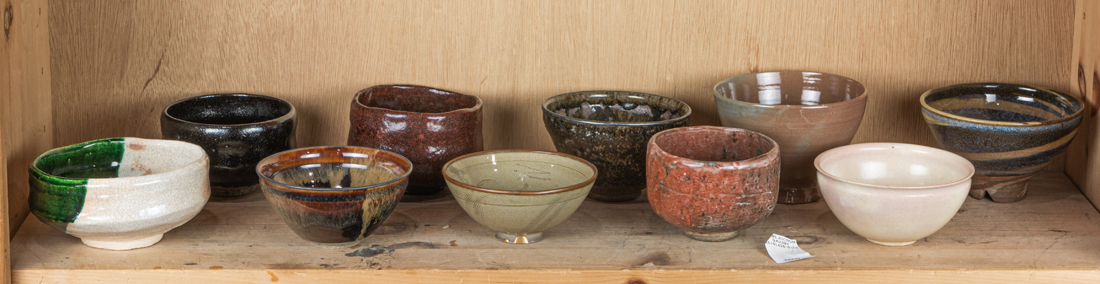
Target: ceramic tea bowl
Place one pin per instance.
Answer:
(519, 193)
(805, 112)
(428, 126)
(611, 129)
(712, 181)
(236, 130)
(1008, 131)
(119, 193)
(334, 196)
(893, 194)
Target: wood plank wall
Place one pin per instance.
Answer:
(1085, 82)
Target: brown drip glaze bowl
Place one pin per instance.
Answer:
(805, 112)
(334, 196)
(712, 181)
(426, 125)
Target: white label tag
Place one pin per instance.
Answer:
(784, 250)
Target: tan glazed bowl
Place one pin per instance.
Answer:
(519, 193)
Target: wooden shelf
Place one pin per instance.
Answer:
(1053, 235)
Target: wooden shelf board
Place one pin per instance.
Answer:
(1054, 234)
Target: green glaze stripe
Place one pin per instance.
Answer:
(59, 177)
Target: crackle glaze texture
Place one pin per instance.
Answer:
(1008, 131)
(334, 196)
(236, 130)
(119, 193)
(892, 193)
(712, 181)
(519, 193)
(805, 112)
(426, 125)
(610, 129)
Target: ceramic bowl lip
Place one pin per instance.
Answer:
(580, 185)
(356, 102)
(1073, 100)
(265, 178)
(546, 103)
(289, 114)
(183, 168)
(773, 152)
(861, 97)
(942, 154)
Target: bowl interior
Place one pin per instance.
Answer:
(229, 109)
(713, 143)
(790, 88)
(614, 106)
(334, 168)
(520, 171)
(1001, 102)
(894, 165)
(117, 158)
(415, 99)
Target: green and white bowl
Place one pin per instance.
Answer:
(119, 193)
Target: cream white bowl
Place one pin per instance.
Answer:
(891, 193)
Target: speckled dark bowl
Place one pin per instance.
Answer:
(610, 129)
(236, 130)
(334, 196)
(428, 126)
(1009, 132)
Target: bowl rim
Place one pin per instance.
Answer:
(860, 97)
(557, 97)
(580, 185)
(289, 114)
(265, 178)
(34, 163)
(356, 103)
(1077, 102)
(969, 175)
(775, 145)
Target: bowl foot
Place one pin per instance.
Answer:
(712, 237)
(892, 244)
(122, 243)
(528, 238)
(798, 195)
(335, 245)
(232, 191)
(1000, 189)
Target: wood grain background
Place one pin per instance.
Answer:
(1082, 156)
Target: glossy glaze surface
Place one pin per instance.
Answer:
(119, 193)
(236, 130)
(1009, 132)
(519, 193)
(334, 196)
(610, 129)
(805, 112)
(891, 193)
(712, 181)
(428, 126)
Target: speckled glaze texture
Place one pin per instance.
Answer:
(712, 181)
(519, 193)
(119, 193)
(428, 126)
(334, 196)
(893, 194)
(611, 129)
(805, 112)
(1008, 131)
(236, 130)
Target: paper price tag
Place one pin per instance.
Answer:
(784, 250)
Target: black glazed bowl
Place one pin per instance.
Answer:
(611, 129)
(236, 131)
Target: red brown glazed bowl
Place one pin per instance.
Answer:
(712, 181)
(805, 112)
(426, 125)
(334, 196)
